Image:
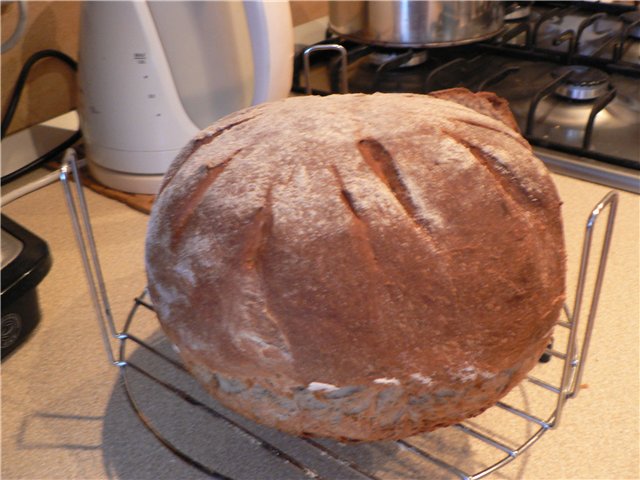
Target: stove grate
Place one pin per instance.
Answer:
(611, 51)
(612, 40)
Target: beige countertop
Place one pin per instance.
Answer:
(64, 413)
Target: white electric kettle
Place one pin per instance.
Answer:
(152, 74)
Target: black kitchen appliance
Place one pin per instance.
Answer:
(570, 71)
(25, 262)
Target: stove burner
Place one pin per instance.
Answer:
(517, 12)
(582, 83)
(631, 18)
(379, 57)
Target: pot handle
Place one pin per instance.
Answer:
(271, 30)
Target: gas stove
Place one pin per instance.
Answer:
(570, 71)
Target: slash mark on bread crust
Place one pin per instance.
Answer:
(193, 146)
(516, 137)
(504, 178)
(257, 234)
(381, 162)
(193, 200)
(360, 228)
(345, 195)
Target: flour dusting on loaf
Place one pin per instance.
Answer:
(359, 267)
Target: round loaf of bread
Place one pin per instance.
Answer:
(359, 267)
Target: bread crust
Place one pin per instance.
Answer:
(487, 103)
(358, 266)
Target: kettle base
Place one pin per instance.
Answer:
(148, 184)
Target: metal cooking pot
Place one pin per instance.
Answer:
(403, 23)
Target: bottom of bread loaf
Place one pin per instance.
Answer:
(387, 408)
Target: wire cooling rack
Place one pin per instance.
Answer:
(155, 380)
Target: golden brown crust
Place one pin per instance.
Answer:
(361, 266)
(487, 103)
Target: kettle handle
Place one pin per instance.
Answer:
(271, 31)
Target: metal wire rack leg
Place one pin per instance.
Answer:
(573, 358)
(77, 206)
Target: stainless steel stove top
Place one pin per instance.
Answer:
(570, 71)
